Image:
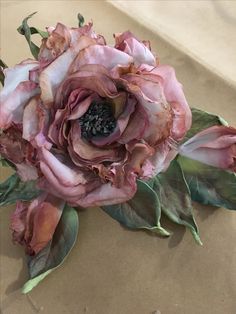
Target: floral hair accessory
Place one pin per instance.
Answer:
(90, 124)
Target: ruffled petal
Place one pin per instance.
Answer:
(132, 46)
(34, 225)
(102, 55)
(51, 77)
(107, 194)
(82, 151)
(182, 116)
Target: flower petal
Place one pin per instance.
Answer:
(51, 77)
(30, 120)
(173, 91)
(34, 226)
(127, 43)
(107, 194)
(215, 146)
(102, 55)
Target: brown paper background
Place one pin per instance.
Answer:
(112, 270)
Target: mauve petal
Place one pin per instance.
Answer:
(14, 148)
(121, 123)
(82, 107)
(138, 51)
(139, 152)
(136, 127)
(65, 174)
(17, 90)
(26, 171)
(56, 129)
(98, 83)
(106, 194)
(17, 222)
(51, 184)
(86, 152)
(102, 55)
(34, 225)
(42, 217)
(159, 162)
(215, 146)
(12, 107)
(51, 77)
(30, 120)
(173, 91)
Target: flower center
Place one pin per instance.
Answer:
(97, 121)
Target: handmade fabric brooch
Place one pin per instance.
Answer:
(90, 124)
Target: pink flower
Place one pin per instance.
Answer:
(215, 146)
(98, 117)
(34, 224)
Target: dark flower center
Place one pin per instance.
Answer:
(97, 121)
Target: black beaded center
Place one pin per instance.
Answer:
(97, 121)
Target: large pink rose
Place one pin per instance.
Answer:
(96, 117)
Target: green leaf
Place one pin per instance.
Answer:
(54, 254)
(27, 31)
(202, 120)
(209, 185)
(5, 163)
(14, 189)
(141, 212)
(2, 67)
(175, 199)
(80, 19)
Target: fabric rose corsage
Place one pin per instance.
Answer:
(89, 124)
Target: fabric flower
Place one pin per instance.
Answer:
(98, 117)
(33, 225)
(215, 146)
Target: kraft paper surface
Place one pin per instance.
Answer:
(112, 270)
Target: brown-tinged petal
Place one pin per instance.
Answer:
(68, 176)
(51, 77)
(121, 123)
(139, 152)
(85, 151)
(108, 194)
(17, 90)
(53, 185)
(182, 117)
(26, 171)
(132, 46)
(102, 55)
(34, 225)
(136, 127)
(30, 120)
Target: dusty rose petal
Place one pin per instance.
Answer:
(174, 95)
(51, 77)
(34, 225)
(66, 175)
(26, 171)
(132, 46)
(121, 123)
(102, 55)
(18, 219)
(215, 146)
(139, 152)
(136, 127)
(42, 219)
(30, 120)
(88, 152)
(56, 187)
(17, 90)
(106, 194)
